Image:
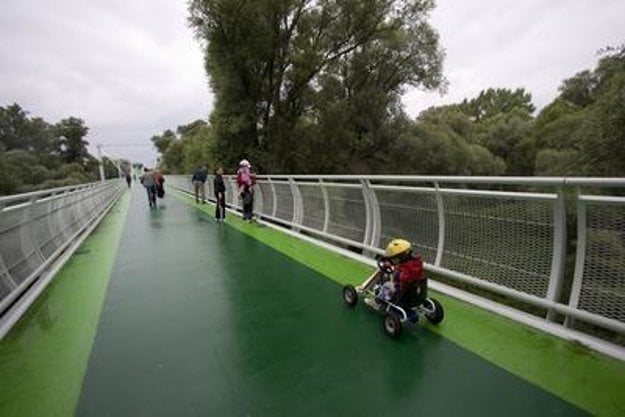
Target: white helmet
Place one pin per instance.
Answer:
(245, 163)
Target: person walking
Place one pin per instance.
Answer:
(128, 180)
(220, 195)
(149, 182)
(199, 179)
(245, 182)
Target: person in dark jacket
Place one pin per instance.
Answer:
(220, 195)
(199, 179)
(149, 182)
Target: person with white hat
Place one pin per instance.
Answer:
(245, 182)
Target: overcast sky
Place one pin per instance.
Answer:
(131, 69)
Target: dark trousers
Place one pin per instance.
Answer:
(220, 207)
(151, 195)
(247, 200)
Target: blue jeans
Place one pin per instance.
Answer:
(151, 190)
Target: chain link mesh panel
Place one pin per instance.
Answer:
(267, 198)
(505, 241)
(603, 283)
(285, 200)
(313, 205)
(412, 216)
(348, 214)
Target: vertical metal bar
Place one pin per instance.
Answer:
(440, 208)
(326, 206)
(298, 204)
(580, 258)
(559, 253)
(368, 223)
(376, 218)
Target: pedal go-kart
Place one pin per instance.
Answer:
(413, 305)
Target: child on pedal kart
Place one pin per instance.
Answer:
(404, 276)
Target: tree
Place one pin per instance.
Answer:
(71, 133)
(269, 59)
(162, 141)
(493, 102)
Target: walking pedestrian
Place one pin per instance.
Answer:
(199, 179)
(128, 180)
(149, 182)
(220, 195)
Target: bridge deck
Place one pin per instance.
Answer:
(202, 319)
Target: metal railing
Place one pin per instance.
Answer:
(507, 235)
(37, 228)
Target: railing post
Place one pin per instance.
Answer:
(326, 206)
(559, 252)
(298, 208)
(440, 208)
(580, 257)
(376, 218)
(368, 216)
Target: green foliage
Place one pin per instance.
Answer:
(71, 132)
(278, 67)
(308, 86)
(36, 155)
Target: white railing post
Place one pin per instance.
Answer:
(298, 208)
(559, 252)
(580, 258)
(326, 206)
(440, 208)
(368, 214)
(376, 219)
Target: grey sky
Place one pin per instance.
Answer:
(131, 69)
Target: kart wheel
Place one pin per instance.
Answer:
(350, 296)
(433, 310)
(392, 325)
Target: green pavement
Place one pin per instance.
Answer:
(586, 378)
(201, 319)
(44, 357)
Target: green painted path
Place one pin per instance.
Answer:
(202, 319)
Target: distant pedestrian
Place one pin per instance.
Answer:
(220, 195)
(128, 180)
(245, 182)
(149, 182)
(199, 180)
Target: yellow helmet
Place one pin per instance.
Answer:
(397, 247)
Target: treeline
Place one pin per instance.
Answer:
(305, 86)
(35, 154)
(581, 133)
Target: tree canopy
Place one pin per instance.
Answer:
(35, 154)
(308, 86)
